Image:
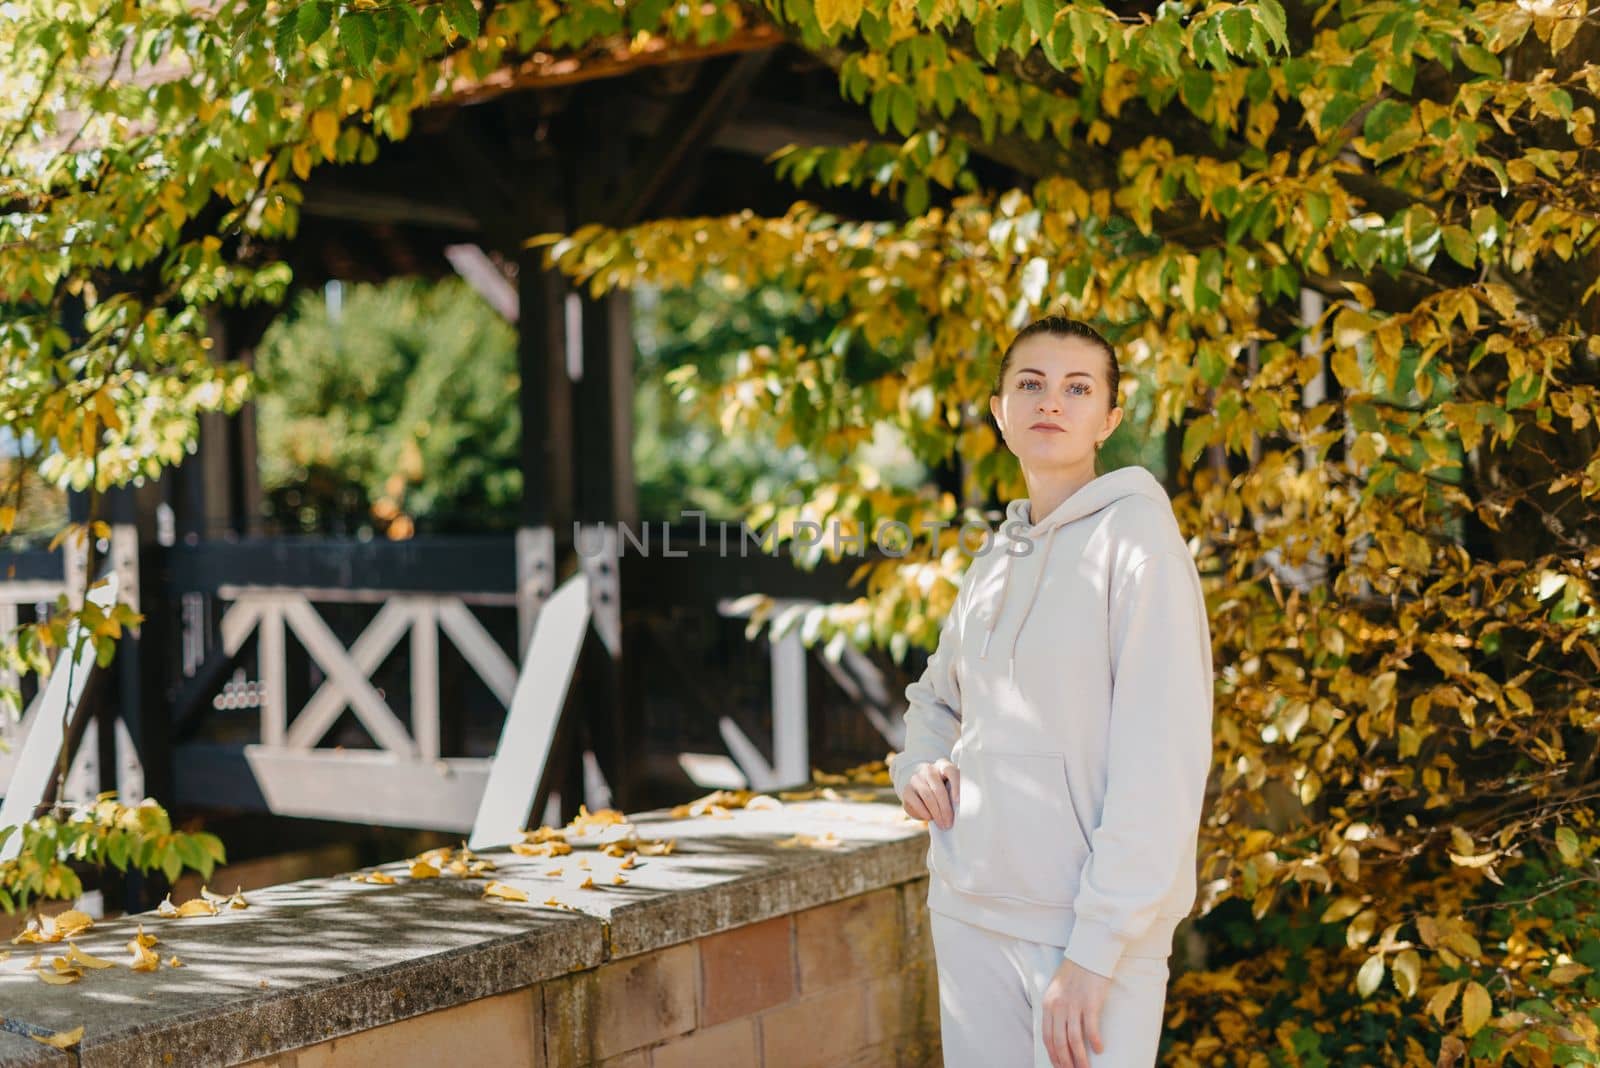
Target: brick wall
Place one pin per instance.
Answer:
(848, 984)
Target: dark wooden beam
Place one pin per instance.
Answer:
(682, 137)
(364, 206)
(617, 57)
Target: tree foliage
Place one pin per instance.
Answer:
(1399, 553)
(396, 414)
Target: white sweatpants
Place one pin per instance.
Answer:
(991, 990)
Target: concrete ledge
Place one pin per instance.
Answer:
(316, 960)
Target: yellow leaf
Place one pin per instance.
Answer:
(618, 880)
(8, 519)
(545, 834)
(71, 924)
(325, 128)
(59, 978)
(501, 890)
(198, 906)
(174, 962)
(553, 903)
(61, 1039)
(552, 848)
(1407, 971)
(423, 870)
(1476, 1006)
(78, 956)
(1341, 909)
(1439, 1004)
(587, 884)
(142, 939)
(144, 958)
(1370, 975)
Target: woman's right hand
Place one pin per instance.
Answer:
(933, 792)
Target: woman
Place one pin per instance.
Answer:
(1060, 739)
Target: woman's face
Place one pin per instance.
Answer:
(1053, 405)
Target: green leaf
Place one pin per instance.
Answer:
(1040, 15)
(1270, 15)
(1385, 118)
(463, 17)
(1524, 391)
(313, 20)
(1458, 242)
(171, 864)
(1480, 60)
(916, 195)
(1334, 113)
(903, 110)
(1567, 842)
(286, 38)
(359, 36)
(1195, 437)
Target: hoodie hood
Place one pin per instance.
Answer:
(1086, 500)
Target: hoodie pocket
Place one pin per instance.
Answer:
(1015, 834)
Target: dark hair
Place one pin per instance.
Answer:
(1061, 326)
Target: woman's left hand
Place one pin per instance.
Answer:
(1072, 1004)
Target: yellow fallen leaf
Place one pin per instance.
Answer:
(501, 890)
(826, 840)
(861, 795)
(552, 848)
(144, 958)
(587, 884)
(382, 878)
(78, 956)
(656, 849)
(554, 872)
(174, 962)
(423, 870)
(553, 903)
(62, 1040)
(234, 900)
(627, 861)
(586, 821)
(71, 923)
(198, 906)
(798, 795)
(56, 977)
(764, 801)
(166, 910)
(5, 955)
(142, 939)
(479, 868)
(618, 880)
(544, 834)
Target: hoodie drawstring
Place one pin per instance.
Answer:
(1043, 571)
(1005, 585)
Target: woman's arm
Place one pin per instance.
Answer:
(933, 703)
(1159, 754)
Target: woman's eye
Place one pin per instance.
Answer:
(1079, 387)
(1026, 383)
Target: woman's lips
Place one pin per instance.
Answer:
(1048, 428)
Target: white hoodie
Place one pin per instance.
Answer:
(1072, 687)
